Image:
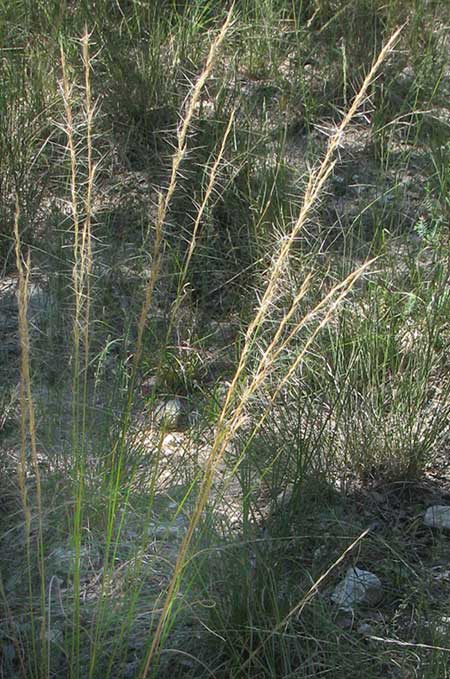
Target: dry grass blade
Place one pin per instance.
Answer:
(273, 351)
(28, 431)
(409, 644)
(81, 198)
(86, 245)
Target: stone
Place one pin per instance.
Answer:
(358, 587)
(285, 497)
(171, 415)
(437, 516)
(365, 629)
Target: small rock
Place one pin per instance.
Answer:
(364, 629)
(285, 497)
(357, 587)
(170, 441)
(437, 516)
(171, 415)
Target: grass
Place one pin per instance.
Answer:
(238, 211)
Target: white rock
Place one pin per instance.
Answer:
(443, 625)
(170, 414)
(437, 516)
(357, 587)
(284, 498)
(365, 629)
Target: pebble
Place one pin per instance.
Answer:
(357, 587)
(171, 415)
(437, 516)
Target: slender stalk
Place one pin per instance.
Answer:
(81, 280)
(28, 433)
(86, 245)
